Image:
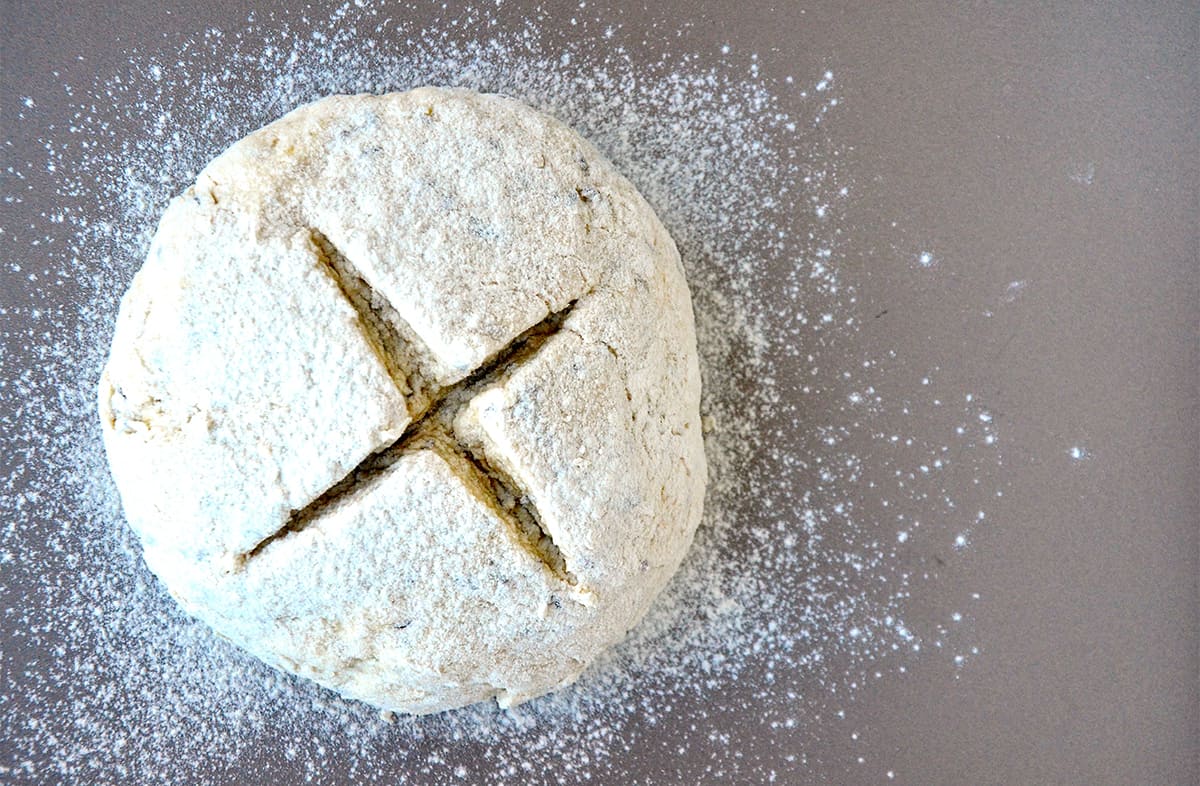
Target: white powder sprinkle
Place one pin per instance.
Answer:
(1083, 173)
(1014, 290)
(796, 591)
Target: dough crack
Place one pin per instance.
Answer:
(394, 342)
(498, 491)
(434, 430)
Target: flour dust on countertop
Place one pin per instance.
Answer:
(831, 481)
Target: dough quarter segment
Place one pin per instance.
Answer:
(495, 588)
(516, 252)
(207, 342)
(492, 403)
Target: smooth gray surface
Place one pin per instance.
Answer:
(975, 125)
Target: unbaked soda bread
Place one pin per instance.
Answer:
(405, 400)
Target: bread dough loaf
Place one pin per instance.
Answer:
(405, 400)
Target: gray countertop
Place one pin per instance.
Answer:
(1046, 155)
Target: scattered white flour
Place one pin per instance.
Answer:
(838, 481)
(1014, 290)
(1083, 173)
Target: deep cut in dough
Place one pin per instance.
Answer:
(405, 400)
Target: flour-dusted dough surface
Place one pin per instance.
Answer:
(405, 400)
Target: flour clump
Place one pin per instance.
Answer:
(405, 400)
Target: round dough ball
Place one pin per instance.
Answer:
(405, 400)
